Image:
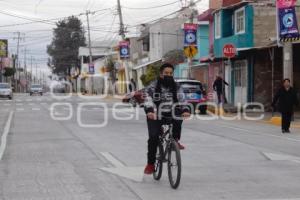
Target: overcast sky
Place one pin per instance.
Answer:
(36, 36)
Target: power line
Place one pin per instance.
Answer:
(45, 21)
(153, 7)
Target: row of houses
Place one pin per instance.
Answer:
(254, 74)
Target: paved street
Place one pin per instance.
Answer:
(54, 159)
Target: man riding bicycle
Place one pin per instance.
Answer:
(162, 96)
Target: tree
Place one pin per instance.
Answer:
(110, 67)
(8, 71)
(174, 57)
(151, 74)
(68, 36)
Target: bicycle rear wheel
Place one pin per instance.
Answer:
(159, 162)
(174, 165)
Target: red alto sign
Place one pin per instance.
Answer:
(229, 51)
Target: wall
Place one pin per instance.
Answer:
(203, 41)
(165, 35)
(215, 4)
(230, 2)
(262, 79)
(240, 40)
(264, 26)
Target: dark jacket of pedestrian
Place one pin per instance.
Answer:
(286, 99)
(219, 85)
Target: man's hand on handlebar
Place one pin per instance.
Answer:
(186, 115)
(151, 116)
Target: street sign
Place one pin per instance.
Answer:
(287, 21)
(91, 68)
(229, 51)
(190, 35)
(124, 49)
(3, 48)
(190, 51)
(190, 40)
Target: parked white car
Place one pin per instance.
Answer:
(6, 91)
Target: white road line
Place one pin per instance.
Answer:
(31, 104)
(7, 104)
(35, 109)
(4, 135)
(112, 159)
(20, 109)
(246, 131)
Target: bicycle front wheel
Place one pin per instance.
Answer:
(174, 165)
(159, 162)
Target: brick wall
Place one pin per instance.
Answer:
(263, 75)
(230, 2)
(264, 25)
(215, 4)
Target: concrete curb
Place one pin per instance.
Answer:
(276, 121)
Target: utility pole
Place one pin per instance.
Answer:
(90, 46)
(18, 38)
(31, 71)
(190, 60)
(36, 73)
(288, 61)
(122, 31)
(25, 68)
(122, 34)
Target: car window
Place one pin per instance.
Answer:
(4, 86)
(36, 86)
(191, 87)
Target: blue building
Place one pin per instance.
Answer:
(199, 70)
(234, 25)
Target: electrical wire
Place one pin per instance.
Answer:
(153, 7)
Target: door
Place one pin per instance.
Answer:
(227, 78)
(240, 82)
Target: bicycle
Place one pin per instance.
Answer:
(165, 149)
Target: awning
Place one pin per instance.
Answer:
(206, 15)
(146, 64)
(200, 65)
(256, 48)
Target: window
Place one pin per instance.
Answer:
(218, 25)
(239, 21)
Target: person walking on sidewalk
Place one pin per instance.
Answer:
(287, 100)
(219, 87)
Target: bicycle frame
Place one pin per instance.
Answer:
(166, 139)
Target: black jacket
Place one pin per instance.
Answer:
(165, 96)
(286, 99)
(219, 85)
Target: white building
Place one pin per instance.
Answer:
(94, 82)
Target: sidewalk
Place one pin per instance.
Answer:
(275, 119)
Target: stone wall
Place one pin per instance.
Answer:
(264, 24)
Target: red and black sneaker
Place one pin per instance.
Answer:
(149, 169)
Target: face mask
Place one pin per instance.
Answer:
(168, 81)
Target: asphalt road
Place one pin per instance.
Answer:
(53, 152)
